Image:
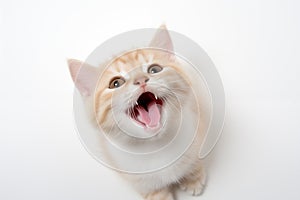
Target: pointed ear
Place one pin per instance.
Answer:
(162, 39)
(84, 76)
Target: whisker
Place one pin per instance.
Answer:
(171, 104)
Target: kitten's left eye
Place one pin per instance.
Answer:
(154, 68)
(116, 82)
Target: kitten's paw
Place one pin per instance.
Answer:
(159, 195)
(194, 186)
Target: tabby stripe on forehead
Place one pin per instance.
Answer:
(121, 60)
(141, 58)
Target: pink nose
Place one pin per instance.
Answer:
(142, 80)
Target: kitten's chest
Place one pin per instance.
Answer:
(165, 177)
(184, 162)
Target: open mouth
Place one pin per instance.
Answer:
(147, 111)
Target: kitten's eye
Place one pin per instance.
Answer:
(116, 82)
(154, 68)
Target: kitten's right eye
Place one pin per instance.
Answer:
(154, 68)
(116, 82)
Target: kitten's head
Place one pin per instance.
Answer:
(140, 93)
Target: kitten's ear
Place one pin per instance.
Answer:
(84, 76)
(162, 39)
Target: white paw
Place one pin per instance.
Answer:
(195, 187)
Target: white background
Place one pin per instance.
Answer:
(254, 44)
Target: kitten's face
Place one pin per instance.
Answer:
(140, 94)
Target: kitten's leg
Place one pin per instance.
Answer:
(163, 194)
(195, 182)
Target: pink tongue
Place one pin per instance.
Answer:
(150, 118)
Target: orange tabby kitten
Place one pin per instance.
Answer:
(148, 93)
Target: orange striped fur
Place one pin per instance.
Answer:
(110, 106)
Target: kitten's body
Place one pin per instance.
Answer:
(175, 104)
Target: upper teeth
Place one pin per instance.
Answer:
(136, 103)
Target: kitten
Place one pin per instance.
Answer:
(148, 93)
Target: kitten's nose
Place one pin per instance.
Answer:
(141, 80)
